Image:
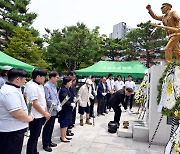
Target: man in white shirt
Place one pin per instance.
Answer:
(111, 90)
(36, 95)
(129, 84)
(14, 116)
(119, 84)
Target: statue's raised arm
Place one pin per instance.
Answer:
(173, 29)
(171, 22)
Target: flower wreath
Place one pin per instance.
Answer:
(169, 90)
(141, 95)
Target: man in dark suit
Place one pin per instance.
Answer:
(101, 96)
(116, 100)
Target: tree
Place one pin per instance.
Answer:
(13, 13)
(113, 48)
(73, 47)
(22, 47)
(144, 38)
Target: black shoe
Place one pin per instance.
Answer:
(68, 138)
(98, 114)
(48, 149)
(92, 116)
(69, 134)
(53, 144)
(106, 112)
(103, 114)
(64, 141)
(70, 127)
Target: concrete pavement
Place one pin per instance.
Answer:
(97, 140)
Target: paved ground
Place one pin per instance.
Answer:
(97, 140)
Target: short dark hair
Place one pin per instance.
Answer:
(93, 77)
(4, 73)
(119, 76)
(129, 76)
(38, 71)
(71, 73)
(53, 74)
(110, 75)
(16, 72)
(130, 90)
(66, 79)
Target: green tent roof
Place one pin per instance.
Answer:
(134, 68)
(8, 60)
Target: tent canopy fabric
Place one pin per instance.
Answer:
(8, 60)
(103, 68)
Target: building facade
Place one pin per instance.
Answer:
(119, 30)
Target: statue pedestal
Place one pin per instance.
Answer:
(140, 131)
(163, 132)
(144, 130)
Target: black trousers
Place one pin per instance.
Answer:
(108, 103)
(11, 142)
(129, 99)
(92, 101)
(117, 113)
(74, 115)
(47, 132)
(101, 105)
(35, 130)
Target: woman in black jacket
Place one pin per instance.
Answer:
(65, 115)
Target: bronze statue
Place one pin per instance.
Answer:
(171, 22)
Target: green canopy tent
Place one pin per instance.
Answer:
(8, 60)
(103, 68)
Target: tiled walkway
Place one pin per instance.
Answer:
(97, 140)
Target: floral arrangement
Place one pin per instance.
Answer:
(169, 90)
(141, 94)
(176, 139)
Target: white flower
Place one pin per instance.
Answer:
(177, 81)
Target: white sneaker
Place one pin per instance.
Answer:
(131, 111)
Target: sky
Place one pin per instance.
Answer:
(57, 14)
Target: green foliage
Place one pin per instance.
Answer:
(22, 46)
(144, 38)
(13, 13)
(112, 48)
(166, 111)
(73, 46)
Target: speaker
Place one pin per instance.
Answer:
(112, 127)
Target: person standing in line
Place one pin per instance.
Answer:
(92, 99)
(129, 84)
(73, 90)
(36, 95)
(14, 116)
(119, 84)
(116, 100)
(65, 115)
(101, 96)
(3, 76)
(111, 89)
(51, 95)
(84, 101)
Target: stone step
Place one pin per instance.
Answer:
(140, 131)
(126, 133)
